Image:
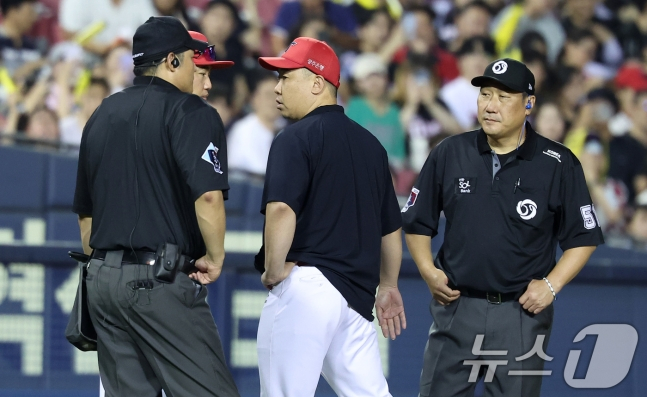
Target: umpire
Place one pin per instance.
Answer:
(150, 188)
(509, 195)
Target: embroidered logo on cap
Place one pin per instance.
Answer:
(315, 64)
(499, 67)
(211, 156)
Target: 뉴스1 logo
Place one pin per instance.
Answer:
(527, 209)
(464, 185)
(315, 64)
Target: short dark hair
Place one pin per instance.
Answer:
(7, 5)
(100, 82)
(425, 10)
(475, 4)
(149, 68)
(259, 76)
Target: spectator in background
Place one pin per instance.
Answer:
(569, 89)
(20, 55)
(177, 9)
(424, 116)
(102, 24)
(222, 26)
(536, 62)
(42, 129)
(515, 20)
(74, 116)
(422, 46)
(375, 35)
(373, 109)
(291, 14)
(591, 139)
(220, 100)
(117, 69)
(579, 53)
(459, 94)
(581, 15)
(250, 138)
(637, 228)
(628, 152)
(550, 122)
(471, 20)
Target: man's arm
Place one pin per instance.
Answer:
(210, 211)
(388, 303)
(85, 224)
(538, 296)
(420, 249)
(280, 224)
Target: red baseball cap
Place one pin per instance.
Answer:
(208, 56)
(631, 77)
(312, 54)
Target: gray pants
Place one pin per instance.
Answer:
(506, 326)
(158, 336)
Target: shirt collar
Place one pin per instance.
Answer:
(152, 80)
(526, 150)
(325, 109)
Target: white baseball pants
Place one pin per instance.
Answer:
(306, 329)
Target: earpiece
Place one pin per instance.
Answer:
(176, 64)
(528, 105)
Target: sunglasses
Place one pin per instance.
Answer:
(209, 53)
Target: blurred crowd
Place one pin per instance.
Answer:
(406, 71)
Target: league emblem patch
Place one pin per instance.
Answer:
(412, 199)
(211, 156)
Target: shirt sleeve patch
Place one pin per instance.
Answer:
(211, 156)
(412, 199)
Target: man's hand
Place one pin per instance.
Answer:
(537, 297)
(437, 282)
(269, 280)
(390, 311)
(208, 270)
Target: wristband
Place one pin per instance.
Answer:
(551, 288)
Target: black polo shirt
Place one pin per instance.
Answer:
(503, 220)
(147, 154)
(335, 175)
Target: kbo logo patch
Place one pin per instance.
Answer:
(412, 199)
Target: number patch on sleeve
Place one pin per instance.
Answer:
(588, 214)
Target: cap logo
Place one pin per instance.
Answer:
(530, 86)
(138, 55)
(499, 67)
(316, 64)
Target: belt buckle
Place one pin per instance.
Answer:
(493, 297)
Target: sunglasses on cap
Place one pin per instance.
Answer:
(209, 53)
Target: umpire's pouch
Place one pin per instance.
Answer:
(79, 331)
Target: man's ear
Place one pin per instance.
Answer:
(318, 85)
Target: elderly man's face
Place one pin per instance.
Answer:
(501, 113)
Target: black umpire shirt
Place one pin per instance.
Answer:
(503, 219)
(335, 175)
(147, 154)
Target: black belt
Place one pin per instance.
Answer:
(492, 297)
(146, 258)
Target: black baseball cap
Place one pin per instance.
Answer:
(510, 73)
(159, 36)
